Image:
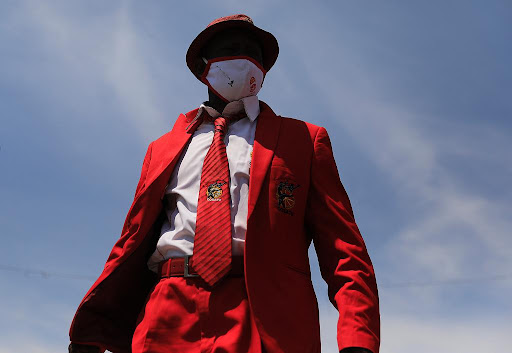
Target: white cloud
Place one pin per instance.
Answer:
(100, 56)
(415, 334)
(130, 76)
(453, 227)
(33, 322)
(405, 334)
(450, 222)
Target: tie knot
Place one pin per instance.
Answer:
(221, 123)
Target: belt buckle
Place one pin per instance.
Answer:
(186, 267)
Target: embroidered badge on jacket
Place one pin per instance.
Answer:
(285, 197)
(214, 191)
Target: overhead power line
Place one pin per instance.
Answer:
(407, 284)
(44, 274)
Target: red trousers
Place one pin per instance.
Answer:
(186, 316)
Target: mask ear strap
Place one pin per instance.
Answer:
(205, 72)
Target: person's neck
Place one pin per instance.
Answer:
(215, 101)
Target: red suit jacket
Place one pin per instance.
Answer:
(295, 197)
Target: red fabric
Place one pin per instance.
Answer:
(212, 240)
(182, 315)
(280, 227)
(237, 17)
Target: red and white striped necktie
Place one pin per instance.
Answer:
(212, 241)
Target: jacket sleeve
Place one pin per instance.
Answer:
(344, 261)
(118, 248)
(144, 171)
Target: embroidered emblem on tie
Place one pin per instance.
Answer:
(285, 197)
(214, 191)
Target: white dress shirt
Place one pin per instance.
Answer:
(178, 230)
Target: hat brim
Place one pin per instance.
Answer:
(268, 42)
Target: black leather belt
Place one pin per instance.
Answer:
(184, 267)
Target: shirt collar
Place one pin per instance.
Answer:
(250, 105)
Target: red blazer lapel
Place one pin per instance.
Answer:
(265, 141)
(168, 148)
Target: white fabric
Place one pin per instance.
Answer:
(177, 233)
(235, 78)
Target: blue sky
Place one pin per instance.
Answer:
(416, 99)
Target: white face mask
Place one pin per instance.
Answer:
(234, 77)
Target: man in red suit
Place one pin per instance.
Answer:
(164, 290)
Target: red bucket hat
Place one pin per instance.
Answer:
(268, 41)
